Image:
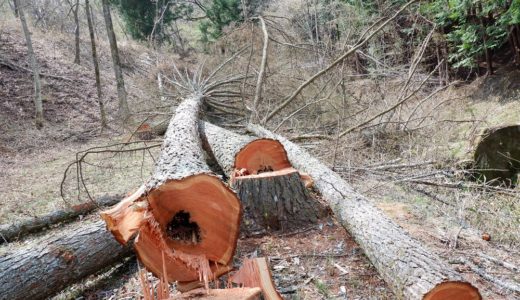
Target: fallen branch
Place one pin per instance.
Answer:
(352, 50)
(18, 229)
(512, 286)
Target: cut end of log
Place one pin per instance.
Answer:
(262, 155)
(453, 290)
(195, 221)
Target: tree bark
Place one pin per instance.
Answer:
(272, 193)
(275, 202)
(124, 111)
(34, 65)
(183, 211)
(76, 33)
(411, 270)
(102, 112)
(21, 228)
(45, 266)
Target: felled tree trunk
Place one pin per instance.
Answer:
(272, 192)
(21, 228)
(48, 264)
(411, 270)
(184, 211)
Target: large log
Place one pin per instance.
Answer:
(183, 211)
(412, 271)
(10, 232)
(272, 192)
(42, 267)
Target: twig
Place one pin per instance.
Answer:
(332, 65)
(501, 262)
(513, 286)
(258, 90)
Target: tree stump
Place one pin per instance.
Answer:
(275, 201)
(273, 194)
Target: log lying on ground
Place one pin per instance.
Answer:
(9, 232)
(497, 156)
(270, 189)
(183, 211)
(48, 264)
(255, 272)
(411, 270)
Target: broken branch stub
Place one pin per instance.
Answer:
(183, 211)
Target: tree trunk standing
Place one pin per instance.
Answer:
(49, 264)
(124, 111)
(102, 112)
(34, 65)
(76, 33)
(15, 8)
(410, 269)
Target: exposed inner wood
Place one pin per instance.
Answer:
(455, 290)
(255, 272)
(409, 268)
(262, 155)
(183, 211)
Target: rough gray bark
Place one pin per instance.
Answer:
(76, 33)
(34, 66)
(47, 265)
(124, 111)
(275, 203)
(102, 112)
(9, 232)
(270, 203)
(407, 266)
(181, 152)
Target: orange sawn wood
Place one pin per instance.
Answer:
(255, 273)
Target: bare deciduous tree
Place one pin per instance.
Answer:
(34, 65)
(124, 111)
(96, 65)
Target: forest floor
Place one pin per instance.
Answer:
(321, 263)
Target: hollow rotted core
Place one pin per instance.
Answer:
(181, 229)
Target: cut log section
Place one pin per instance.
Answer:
(407, 266)
(497, 156)
(272, 192)
(255, 272)
(41, 268)
(183, 211)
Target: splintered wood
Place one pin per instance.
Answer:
(255, 273)
(183, 212)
